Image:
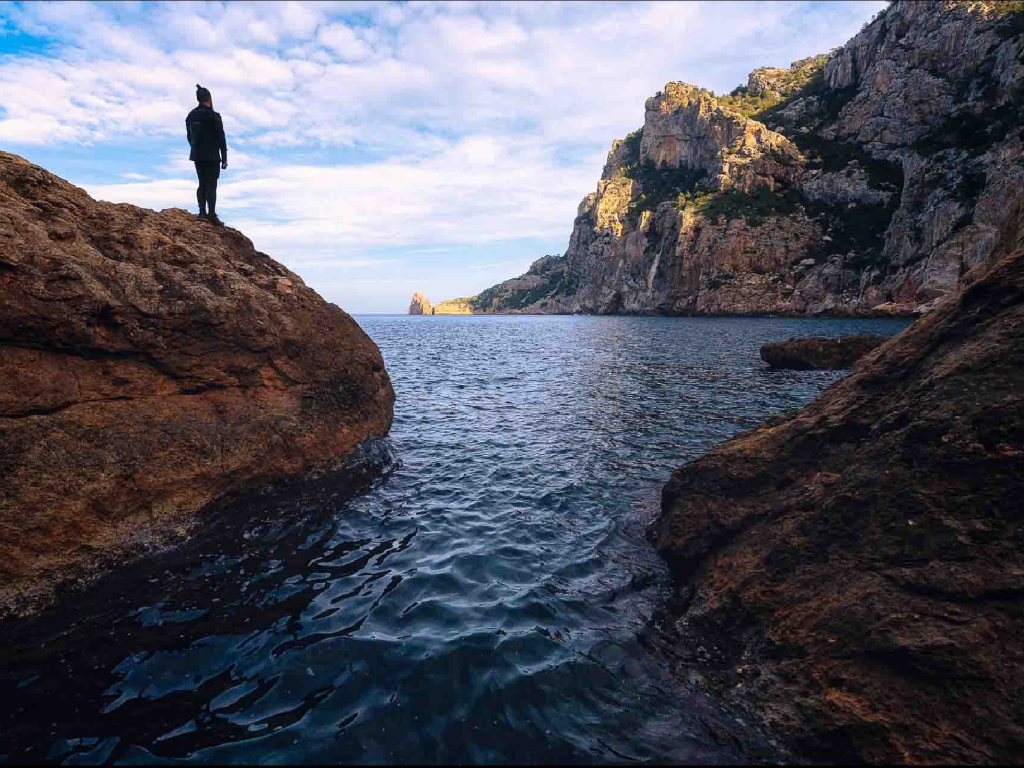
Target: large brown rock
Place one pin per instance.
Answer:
(862, 561)
(819, 353)
(150, 363)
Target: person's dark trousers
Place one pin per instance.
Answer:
(206, 194)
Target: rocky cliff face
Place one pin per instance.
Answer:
(862, 183)
(853, 575)
(150, 363)
(420, 305)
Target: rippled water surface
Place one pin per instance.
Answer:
(480, 603)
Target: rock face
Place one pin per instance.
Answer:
(150, 363)
(862, 183)
(420, 305)
(815, 353)
(862, 561)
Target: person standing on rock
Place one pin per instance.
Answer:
(205, 132)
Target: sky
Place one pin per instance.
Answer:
(380, 148)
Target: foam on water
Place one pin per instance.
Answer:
(480, 603)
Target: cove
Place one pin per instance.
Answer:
(480, 602)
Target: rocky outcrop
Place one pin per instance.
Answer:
(852, 575)
(817, 353)
(454, 307)
(863, 183)
(684, 127)
(420, 305)
(149, 364)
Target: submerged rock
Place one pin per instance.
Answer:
(862, 561)
(420, 305)
(149, 364)
(816, 353)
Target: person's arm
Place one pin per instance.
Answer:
(223, 143)
(188, 131)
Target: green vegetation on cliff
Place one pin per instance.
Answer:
(659, 185)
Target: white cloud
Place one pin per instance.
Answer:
(343, 41)
(424, 123)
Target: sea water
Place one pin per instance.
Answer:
(480, 603)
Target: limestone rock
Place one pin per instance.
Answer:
(420, 305)
(863, 183)
(818, 353)
(685, 127)
(855, 571)
(149, 364)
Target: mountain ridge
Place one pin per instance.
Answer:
(870, 182)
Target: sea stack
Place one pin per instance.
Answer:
(149, 364)
(420, 305)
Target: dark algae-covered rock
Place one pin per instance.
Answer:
(862, 561)
(814, 353)
(151, 363)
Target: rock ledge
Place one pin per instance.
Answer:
(151, 363)
(817, 353)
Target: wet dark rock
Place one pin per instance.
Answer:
(814, 353)
(866, 555)
(151, 363)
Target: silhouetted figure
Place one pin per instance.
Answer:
(205, 132)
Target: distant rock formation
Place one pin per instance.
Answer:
(853, 575)
(149, 364)
(454, 307)
(817, 353)
(866, 182)
(420, 305)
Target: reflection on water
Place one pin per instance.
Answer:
(480, 603)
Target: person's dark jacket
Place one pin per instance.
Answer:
(205, 132)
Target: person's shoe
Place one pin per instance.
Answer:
(214, 219)
(202, 216)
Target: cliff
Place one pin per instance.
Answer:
(852, 575)
(149, 364)
(862, 183)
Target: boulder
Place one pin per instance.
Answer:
(855, 571)
(149, 364)
(818, 353)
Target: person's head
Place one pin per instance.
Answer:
(203, 95)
